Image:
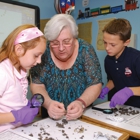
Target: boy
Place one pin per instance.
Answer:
(122, 64)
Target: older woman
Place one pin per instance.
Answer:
(70, 76)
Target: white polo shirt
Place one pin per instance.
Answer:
(13, 90)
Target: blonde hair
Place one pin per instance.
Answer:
(8, 48)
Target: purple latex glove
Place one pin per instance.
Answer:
(121, 97)
(24, 115)
(29, 103)
(104, 91)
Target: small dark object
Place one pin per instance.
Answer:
(65, 121)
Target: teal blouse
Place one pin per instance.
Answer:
(68, 85)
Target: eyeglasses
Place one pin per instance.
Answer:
(65, 43)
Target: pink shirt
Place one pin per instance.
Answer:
(13, 90)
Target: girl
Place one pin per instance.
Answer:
(20, 51)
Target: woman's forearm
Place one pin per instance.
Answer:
(91, 94)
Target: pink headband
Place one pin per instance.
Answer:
(27, 35)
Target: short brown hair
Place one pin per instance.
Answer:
(120, 27)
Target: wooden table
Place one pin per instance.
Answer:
(130, 125)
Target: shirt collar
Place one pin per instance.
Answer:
(21, 75)
(122, 56)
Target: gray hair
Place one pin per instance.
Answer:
(55, 25)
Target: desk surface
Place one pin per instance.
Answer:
(47, 129)
(124, 136)
(130, 125)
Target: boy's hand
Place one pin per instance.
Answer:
(104, 91)
(121, 97)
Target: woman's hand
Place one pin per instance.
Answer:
(74, 110)
(56, 110)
